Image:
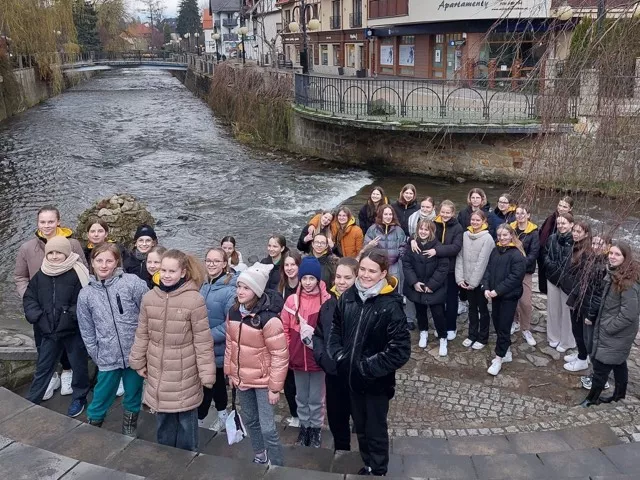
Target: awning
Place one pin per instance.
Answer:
(469, 26)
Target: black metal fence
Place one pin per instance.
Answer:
(442, 101)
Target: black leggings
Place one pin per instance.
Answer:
(601, 373)
(577, 328)
(290, 393)
(217, 394)
(451, 306)
(439, 320)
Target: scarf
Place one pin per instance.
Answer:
(431, 217)
(57, 269)
(367, 293)
(138, 255)
(173, 287)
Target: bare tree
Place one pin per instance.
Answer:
(259, 12)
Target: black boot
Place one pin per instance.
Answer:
(129, 423)
(315, 437)
(303, 437)
(619, 392)
(593, 398)
(96, 423)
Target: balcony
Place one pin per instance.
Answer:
(355, 20)
(230, 22)
(216, 23)
(335, 23)
(230, 37)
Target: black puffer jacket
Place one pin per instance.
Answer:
(369, 340)
(131, 264)
(274, 274)
(505, 272)
(531, 243)
(449, 236)
(430, 271)
(558, 254)
(50, 302)
(328, 265)
(586, 295)
(464, 216)
(403, 213)
(574, 271)
(321, 336)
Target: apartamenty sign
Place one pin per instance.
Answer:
(445, 10)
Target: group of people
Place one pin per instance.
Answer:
(327, 322)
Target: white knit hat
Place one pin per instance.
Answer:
(256, 277)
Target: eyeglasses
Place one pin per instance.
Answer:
(319, 243)
(213, 262)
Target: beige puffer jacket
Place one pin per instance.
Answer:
(256, 353)
(174, 343)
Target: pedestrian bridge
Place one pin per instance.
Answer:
(113, 60)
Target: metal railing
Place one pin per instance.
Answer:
(436, 101)
(230, 37)
(335, 23)
(355, 20)
(229, 22)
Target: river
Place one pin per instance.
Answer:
(143, 132)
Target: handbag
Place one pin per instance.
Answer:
(234, 426)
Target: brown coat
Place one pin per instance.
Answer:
(31, 255)
(262, 359)
(174, 343)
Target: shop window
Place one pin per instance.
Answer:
(324, 54)
(407, 54)
(350, 55)
(387, 55)
(336, 55)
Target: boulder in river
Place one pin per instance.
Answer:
(122, 212)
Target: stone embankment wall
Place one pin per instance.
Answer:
(33, 90)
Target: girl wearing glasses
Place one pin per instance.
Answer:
(321, 250)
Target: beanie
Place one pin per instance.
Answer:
(58, 244)
(145, 231)
(310, 266)
(256, 277)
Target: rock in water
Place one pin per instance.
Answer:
(122, 212)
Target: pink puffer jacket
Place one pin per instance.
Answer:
(256, 354)
(174, 343)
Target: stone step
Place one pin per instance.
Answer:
(52, 432)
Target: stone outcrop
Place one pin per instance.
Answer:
(122, 212)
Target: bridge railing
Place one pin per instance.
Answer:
(440, 101)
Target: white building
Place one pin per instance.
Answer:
(266, 18)
(225, 20)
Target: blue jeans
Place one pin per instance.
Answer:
(257, 415)
(179, 430)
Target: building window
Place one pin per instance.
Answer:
(324, 54)
(407, 54)
(350, 55)
(287, 17)
(387, 55)
(388, 8)
(336, 55)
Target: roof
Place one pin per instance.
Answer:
(207, 20)
(224, 5)
(138, 30)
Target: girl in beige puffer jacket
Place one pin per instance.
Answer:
(256, 359)
(173, 350)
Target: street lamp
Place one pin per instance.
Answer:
(197, 34)
(243, 33)
(216, 37)
(314, 24)
(188, 37)
(564, 13)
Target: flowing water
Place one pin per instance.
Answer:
(143, 132)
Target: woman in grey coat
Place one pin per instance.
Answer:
(108, 310)
(616, 325)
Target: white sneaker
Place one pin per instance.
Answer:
(571, 357)
(576, 366)
(561, 349)
(477, 346)
(54, 384)
(508, 357)
(443, 347)
(201, 423)
(515, 327)
(120, 391)
(467, 342)
(65, 380)
(554, 344)
(220, 424)
(529, 338)
(451, 335)
(496, 366)
(424, 337)
(462, 308)
(293, 422)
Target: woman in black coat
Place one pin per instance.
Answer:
(425, 284)
(502, 284)
(405, 206)
(548, 228)
(369, 212)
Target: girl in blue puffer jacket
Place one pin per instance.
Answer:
(219, 293)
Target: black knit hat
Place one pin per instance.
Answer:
(145, 231)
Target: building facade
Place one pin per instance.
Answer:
(452, 39)
(225, 18)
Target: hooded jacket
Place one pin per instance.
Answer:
(617, 323)
(403, 213)
(256, 354)
(219, 297)
(497, 218)
(365, 218)
(131, 264)
(473, 259)
(530, 242)
(50, 302)
(299, 307)
(432, 271)
(174, 343)
(321, 334)
(393, 240)
(464, 216)
(558, 255)
(505, 272)
(369, 340)
(108, 313)
(415, 218)
(348, 241)
(31, 255)
(449, 235)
